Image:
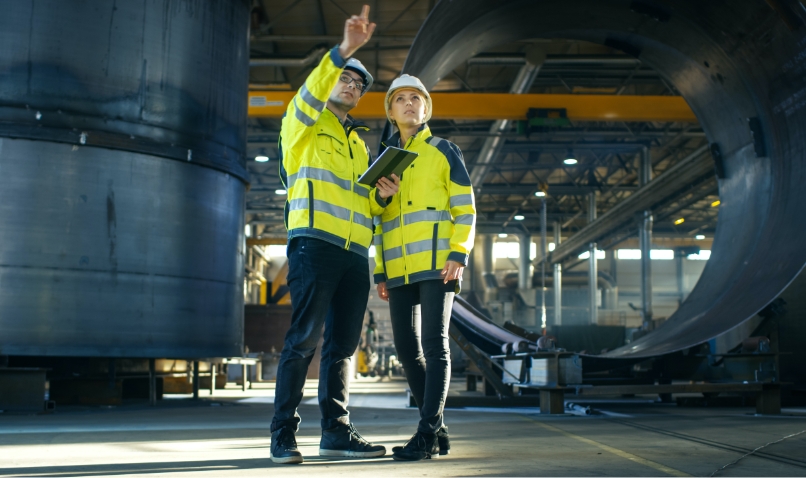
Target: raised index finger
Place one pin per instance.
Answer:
(365, 12)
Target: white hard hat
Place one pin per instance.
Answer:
(358, 67)
(408, 81)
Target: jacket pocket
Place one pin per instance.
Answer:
(310, 204)
(434, 243)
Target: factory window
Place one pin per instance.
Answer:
(506, 250)
(599, 255)
(276, 250)
(661, 254)
(629, 254)
(654, 254)
(704, 255)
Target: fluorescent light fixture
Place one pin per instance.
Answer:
(715, 203)
(570, 158)
(540, 194)
(280, 192)
(261, 158)
(552, 246)
(519, 218)
(679, 221)
(699, 237)
(503, 234)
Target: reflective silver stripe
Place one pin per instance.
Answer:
(425, 245)
(310, 99)
(296, 204)
(430, 216)
(435, 141)
(362, 191)
(319, 174)
(363, 220)
(391, 225)
(332, 209)
(378, 240)
(462, 200)
(466, 219)
(393, 253)
(302, 116)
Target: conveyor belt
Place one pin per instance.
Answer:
(741, 67)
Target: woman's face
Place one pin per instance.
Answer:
(407, 107)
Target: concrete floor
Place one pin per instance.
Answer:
(228, 436)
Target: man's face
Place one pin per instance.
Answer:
(344, 94)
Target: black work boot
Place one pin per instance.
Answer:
(443, 442)
(344, 441)
(422, 446)
(284, 447)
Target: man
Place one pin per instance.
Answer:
(329, 220)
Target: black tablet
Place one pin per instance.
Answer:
(393, 160)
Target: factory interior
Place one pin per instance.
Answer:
(633, 304)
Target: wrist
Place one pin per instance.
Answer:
(345, 52)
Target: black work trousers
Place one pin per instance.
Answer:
(421, 314)
(329, 287)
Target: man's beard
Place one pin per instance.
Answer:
(342, 104)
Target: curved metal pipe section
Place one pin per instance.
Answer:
(742, 69)
(122, 178)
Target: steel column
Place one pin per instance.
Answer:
(645, 241)
(543, 251)
(593, 273)
(524, 261)
(558, 279)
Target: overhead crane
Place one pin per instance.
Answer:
(494, 106)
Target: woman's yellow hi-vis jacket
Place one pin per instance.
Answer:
(320, 165)
(431, 219)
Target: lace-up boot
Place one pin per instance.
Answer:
(284, 447)
(345, 441)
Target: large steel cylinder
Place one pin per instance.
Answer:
(122, 177)
(741, 66)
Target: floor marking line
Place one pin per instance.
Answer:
(615, 451)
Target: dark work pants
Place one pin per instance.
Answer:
(421, 314)
(329, 287)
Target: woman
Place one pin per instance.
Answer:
(422, 243)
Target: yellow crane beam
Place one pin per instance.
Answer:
(493, 106)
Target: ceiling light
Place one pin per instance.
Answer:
(699, 237)
(679, 221)
(519, 218)
(540, 194)
(503, 234)
(261, 158)
(281, 192)
(715, 203)
(569, 161)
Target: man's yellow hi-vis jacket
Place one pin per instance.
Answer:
(321, 162)
(431, 219)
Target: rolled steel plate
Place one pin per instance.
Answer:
(741, 66)
(116, 254)
(161, 77)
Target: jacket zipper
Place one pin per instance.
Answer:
(402, 228)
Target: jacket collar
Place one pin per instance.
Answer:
(423, 133)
